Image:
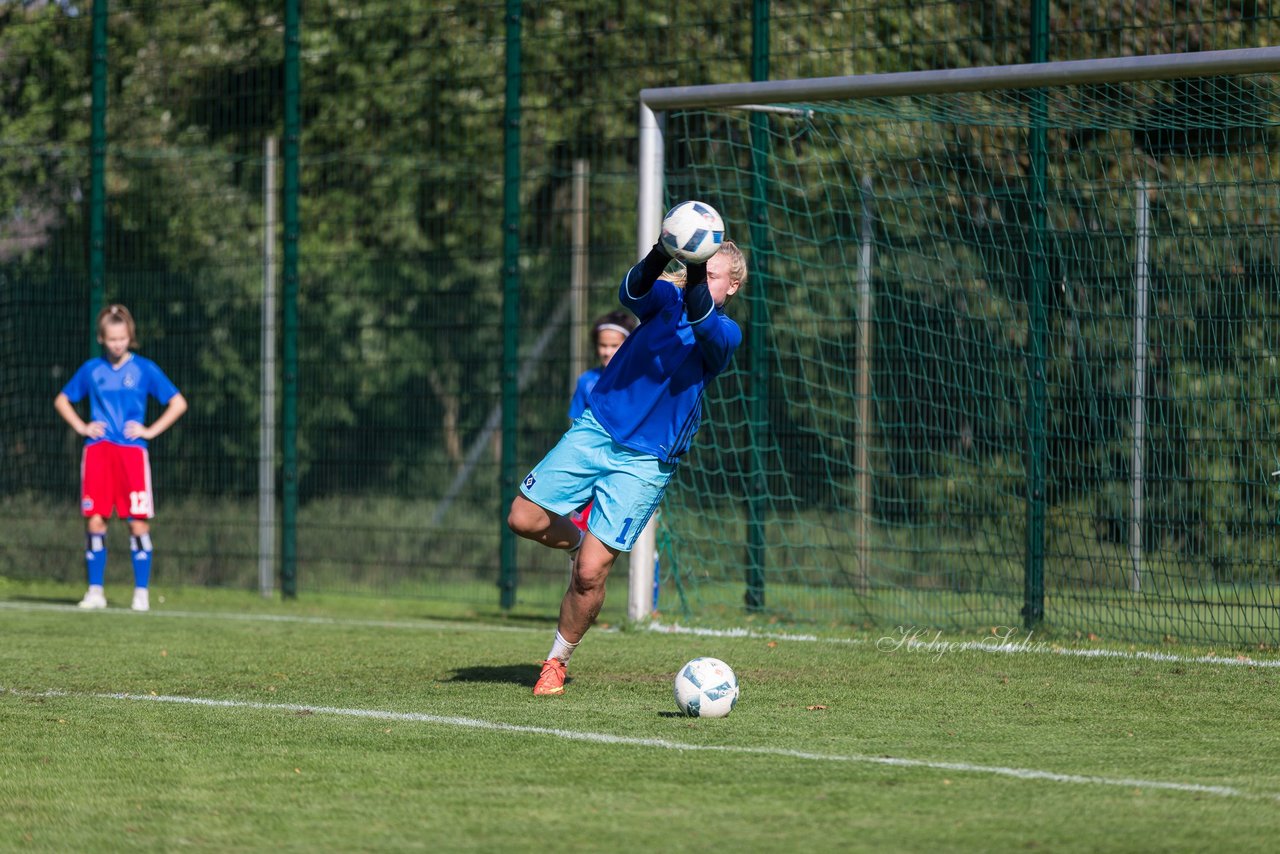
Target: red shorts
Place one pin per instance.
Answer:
(579, 517)
(115, 477)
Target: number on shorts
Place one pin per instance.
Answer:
(140, 504)
(626, 526)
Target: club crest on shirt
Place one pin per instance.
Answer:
(130, 379)
(530, 481)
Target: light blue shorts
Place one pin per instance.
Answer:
(587, 465)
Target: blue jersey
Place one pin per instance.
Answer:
(119, 395)
(582, 392)
(649, 397)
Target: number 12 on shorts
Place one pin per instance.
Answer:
(140, 504)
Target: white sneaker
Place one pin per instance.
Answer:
(141, 599)
(93, 600)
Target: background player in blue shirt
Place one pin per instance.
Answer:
(622, 451)
(115, 470)
(607, 334)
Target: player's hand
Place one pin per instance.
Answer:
(94, 430)
(694, 274)
(698, 302)
(134, 430)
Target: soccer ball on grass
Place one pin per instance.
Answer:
(706, 688)
(692, 232)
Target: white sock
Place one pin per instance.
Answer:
(561, 649)
(96, 588)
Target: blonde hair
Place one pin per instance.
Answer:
(116, 313)
(737, 267)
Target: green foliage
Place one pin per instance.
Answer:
(44, 119)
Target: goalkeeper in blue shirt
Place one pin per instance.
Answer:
(622, 451)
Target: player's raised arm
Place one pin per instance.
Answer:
(638, 283)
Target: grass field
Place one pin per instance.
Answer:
(223, 722)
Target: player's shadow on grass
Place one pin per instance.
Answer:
(518, 674)
(540, 619)
(47, 600)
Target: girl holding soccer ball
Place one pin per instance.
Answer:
(644, 410)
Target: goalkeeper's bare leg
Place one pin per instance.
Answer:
(542, 526)
(582, 601)
(584, 597)
(578, 610)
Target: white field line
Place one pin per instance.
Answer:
(664, 744)
(912, 640)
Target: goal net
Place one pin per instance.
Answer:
(1010, 349)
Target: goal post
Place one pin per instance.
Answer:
(966, 416)
(648, 228)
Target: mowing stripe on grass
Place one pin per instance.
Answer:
(909, 642)
(664, 744)
(433, 625)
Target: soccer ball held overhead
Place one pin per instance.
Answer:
(692, 232)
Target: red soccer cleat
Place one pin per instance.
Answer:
(552, 679)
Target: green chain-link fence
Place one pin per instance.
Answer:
(400, 332)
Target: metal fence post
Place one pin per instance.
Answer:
(758, 324)
(289, 404)
(267, 418)
(510, 298)
(97, 172)
(1037, 321)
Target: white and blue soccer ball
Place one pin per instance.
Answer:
(706, 688)
(692, 232)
